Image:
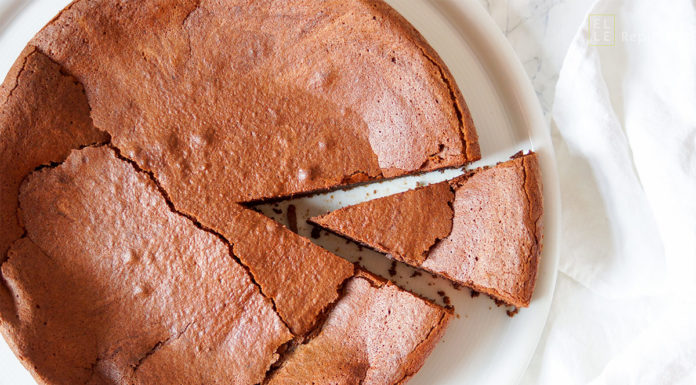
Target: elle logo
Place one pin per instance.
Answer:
(602, 30)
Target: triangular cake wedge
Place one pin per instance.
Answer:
(376, 334)
(483, 230)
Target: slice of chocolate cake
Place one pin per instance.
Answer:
(376, 334)
(483, 229)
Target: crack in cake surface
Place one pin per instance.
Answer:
(196, 223)
(37, 229)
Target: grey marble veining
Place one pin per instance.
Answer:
(540, 32)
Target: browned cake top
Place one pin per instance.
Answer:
(403, 225)
(113, 287)
(365, 341)
(265, 98)
(496, 235)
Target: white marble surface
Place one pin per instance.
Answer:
(540, 32)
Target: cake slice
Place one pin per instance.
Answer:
(482, 230)
(376, 334)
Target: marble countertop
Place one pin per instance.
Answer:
(540, 32)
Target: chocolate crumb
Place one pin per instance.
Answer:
(511, 313)
(392, 269)
(316, 232)
(277, 211)
(456, 286)
(416, 274)
(474, 294)
(292, 218)
(434, 276)
(360, 248)
(498, 302)
(445, 298)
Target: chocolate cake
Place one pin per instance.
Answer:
(483, 230)
(134, 258)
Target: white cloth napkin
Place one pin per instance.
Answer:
(625, 134)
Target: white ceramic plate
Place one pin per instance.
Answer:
(483, 345)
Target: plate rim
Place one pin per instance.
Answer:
(531, 111)
(490, 42)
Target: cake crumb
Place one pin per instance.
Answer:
(292, 218)
(316, 232)
(498, 302)
(511, 313)
(416, 273)
(445, 298)
(277, 211)
(456, 286)
(392, 269)
(474, 294)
